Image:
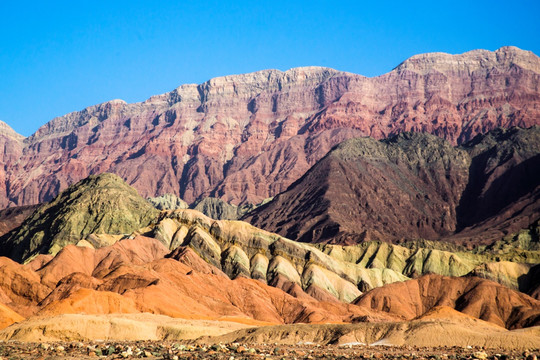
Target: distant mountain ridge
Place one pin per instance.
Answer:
(244, 138)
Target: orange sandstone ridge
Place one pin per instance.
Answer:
(135, 276)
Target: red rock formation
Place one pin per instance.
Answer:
(480, 298)
(244, 138)
(132, 276)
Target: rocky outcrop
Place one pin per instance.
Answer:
(214, 208)
(168, 202)
(102, 204)
(413, 186)
(218, 209)
(247, 137)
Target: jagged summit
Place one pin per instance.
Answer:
(303, 73)
(7, 131)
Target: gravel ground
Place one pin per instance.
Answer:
(236, 351)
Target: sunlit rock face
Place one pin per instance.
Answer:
(244, 138)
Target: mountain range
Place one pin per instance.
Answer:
(297, 207)
(244, 138)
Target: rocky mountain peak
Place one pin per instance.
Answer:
(471, 61)
(92, 115)
(266, 81)
(7, 131)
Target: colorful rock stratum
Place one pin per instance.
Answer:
(245, 138)
(394, 216)
(178, 274)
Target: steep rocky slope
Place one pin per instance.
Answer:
(102, 204)
(413, 186)
(11, 148)
(247, 137)
(503, 191)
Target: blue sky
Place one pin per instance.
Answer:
(62, 56)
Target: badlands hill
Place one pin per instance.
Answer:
(181, 275)
(102, 204)
(101, 210)
(413, 186)
(245, 138)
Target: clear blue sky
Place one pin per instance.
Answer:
(62, 56)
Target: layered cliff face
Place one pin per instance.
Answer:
(413, 186)
(245, 138)
(11, 143)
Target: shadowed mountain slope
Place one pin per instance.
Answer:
(11, 218)
(413, 186)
